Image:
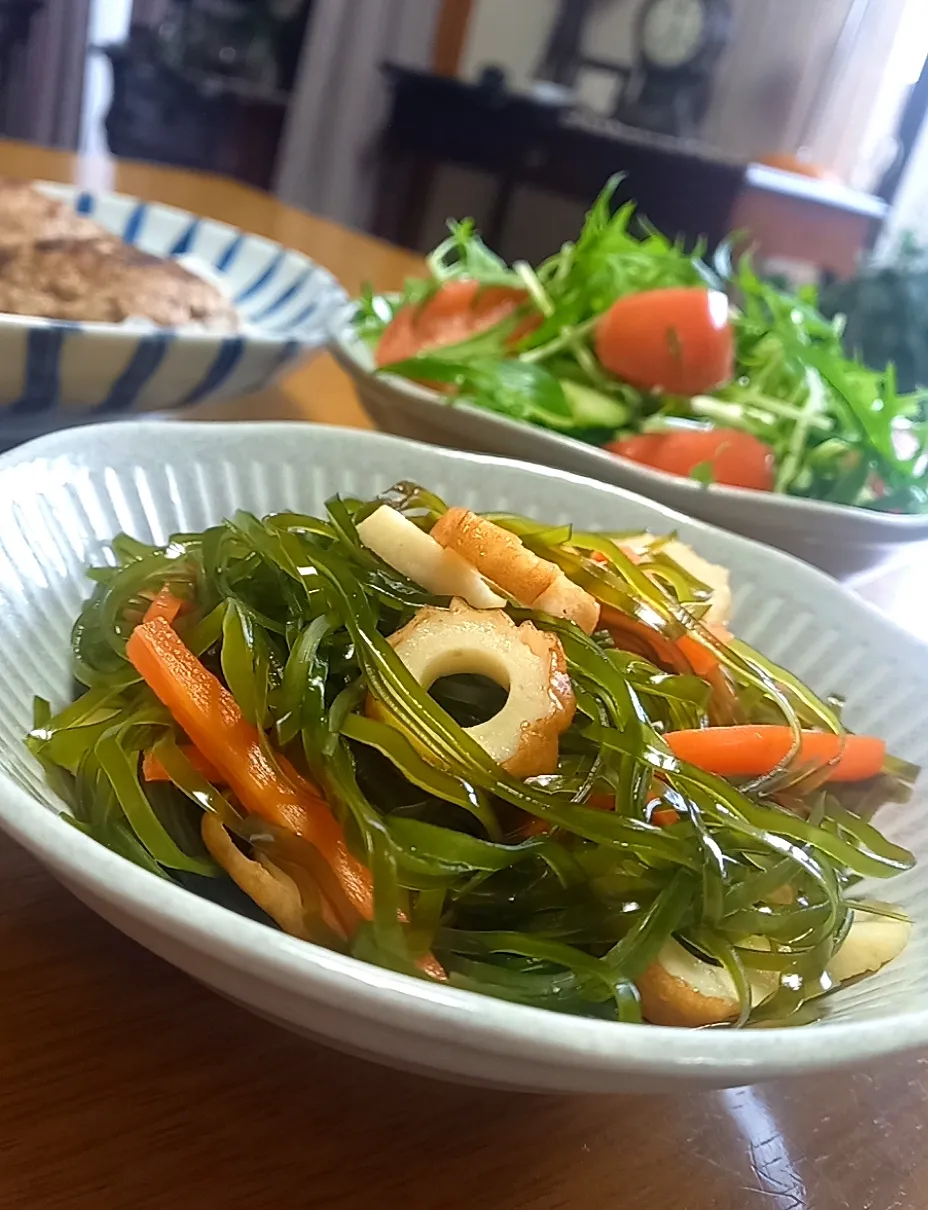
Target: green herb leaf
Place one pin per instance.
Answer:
(513, 388)
(704, 473)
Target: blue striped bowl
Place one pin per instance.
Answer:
(55, 374)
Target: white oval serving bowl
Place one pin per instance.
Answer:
(64, 497)
(54, 374)
(841, 540)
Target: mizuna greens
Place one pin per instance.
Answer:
(838, 430)
(398, 837)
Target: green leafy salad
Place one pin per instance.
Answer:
(526, 761)
(625, 340)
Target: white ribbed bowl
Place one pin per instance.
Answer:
(63, 497)
(841, 540)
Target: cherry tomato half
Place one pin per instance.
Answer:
(735, 459)
(676, 341)
(456, 311)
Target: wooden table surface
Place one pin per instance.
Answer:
(124, 1084)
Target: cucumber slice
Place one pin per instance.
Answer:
(592, 409)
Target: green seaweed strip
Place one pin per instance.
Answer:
(122, 771)
(403, 755)
(294, 614)
(193, 784)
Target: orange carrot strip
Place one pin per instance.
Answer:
(211, 717)
(601, 802)
(725, 707)
(752, 751)
(597, 556)
(661, 817)
(164, 605)
(665, 817)
(226, 741)
(541, 827)
(630, 634)
(702, 660)
(535, 827)
(154, 770)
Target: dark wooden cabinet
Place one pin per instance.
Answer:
(193, 119)
(681, 186)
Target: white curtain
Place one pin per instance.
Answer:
(910, 210)
(826, 76)
(851, 128)
(109, 23)
(339, 104)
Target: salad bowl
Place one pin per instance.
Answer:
(64, 498)
(627, 350)
(844, 541)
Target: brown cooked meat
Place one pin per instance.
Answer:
(27, 215)
(106, 281)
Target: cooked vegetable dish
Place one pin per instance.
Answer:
(525, 760)
(629, 342)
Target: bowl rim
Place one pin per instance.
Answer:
(188, 336)
(348, 349)
(443, 1014)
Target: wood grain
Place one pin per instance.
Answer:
(777, 225)
(451, 36)
(127, 1085)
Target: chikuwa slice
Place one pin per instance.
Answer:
(529, 663)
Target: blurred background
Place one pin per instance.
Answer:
(802, 124)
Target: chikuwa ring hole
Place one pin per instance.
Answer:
(469, 698)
